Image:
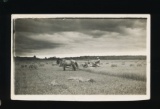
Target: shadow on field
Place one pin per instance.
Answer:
(122, 75)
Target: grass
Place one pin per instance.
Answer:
(50, 79)
(128, 73)
(129, 70)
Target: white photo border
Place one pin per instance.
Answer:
(83, 97)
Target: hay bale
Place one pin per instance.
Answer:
(139, 65)
(54, 83)
(91, 80)
(131, 65)
(114, 65)
(80, 79)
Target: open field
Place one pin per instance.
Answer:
(127, 77)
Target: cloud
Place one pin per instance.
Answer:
(45, 25)
(39, 25)
(24, 44)
(79, 36)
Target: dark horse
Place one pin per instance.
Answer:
(67, 63)
(58, 61)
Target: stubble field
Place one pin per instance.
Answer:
(113, 77)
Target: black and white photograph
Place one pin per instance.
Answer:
(80, 57)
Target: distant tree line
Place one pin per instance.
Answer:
(108, 58)
(139, 57)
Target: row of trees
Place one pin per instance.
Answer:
(109, 57)
(88, 58)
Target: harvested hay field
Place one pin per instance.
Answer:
(113, 77)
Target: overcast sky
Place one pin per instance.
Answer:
(46, 37)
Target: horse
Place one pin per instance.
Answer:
(58, 61)
(67, 63)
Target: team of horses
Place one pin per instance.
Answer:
(67, 63)
(74, 64)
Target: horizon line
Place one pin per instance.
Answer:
(76, 56)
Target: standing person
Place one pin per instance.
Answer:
(98, 61)
(88, 62)
(57, 61)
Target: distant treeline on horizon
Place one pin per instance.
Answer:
(127, 57)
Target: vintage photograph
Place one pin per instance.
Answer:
(80, 57)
